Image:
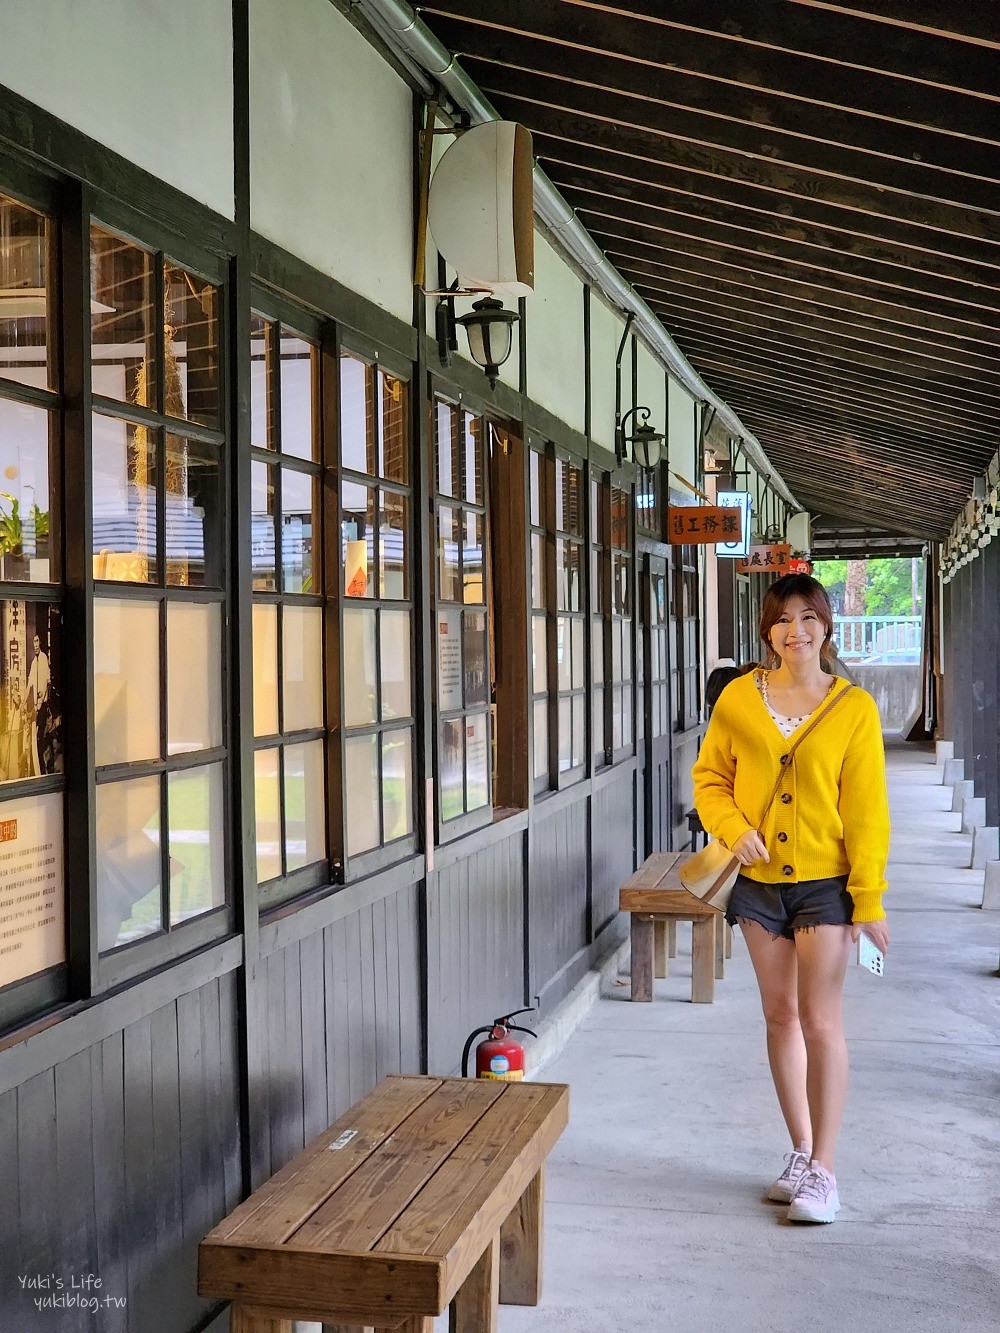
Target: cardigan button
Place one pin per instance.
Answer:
(783, 759)
(785, 798)
(787, 870)
(782, 837)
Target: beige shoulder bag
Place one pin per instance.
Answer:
(711, 873)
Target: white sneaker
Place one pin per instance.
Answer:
(815, 1198)
(784, 1187)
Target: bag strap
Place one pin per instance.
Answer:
(786, 759)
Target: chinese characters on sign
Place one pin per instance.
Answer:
(772, 559)
(742, 501)
(704, 524)
(32, 924)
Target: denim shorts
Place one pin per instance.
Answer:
(782, 909)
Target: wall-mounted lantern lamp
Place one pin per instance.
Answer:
(646, 441)
(490, 329)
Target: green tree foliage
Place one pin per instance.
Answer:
(889, 587)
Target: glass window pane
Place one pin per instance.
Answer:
(535, 486)
(128, 861)
(597, 650)
(361, 786)
(193, 514)
(477, 757)
(616, 718)
(299, 520)
(626, 715)
(449, 458)
(260, 383)
(447, 537)
(563, 664)
(393, 546)
(305, 805)
(539, 655)
(125, 478)
(570, 518)
(579, 732)
(540, 713)
(397, 784)
(472, 559)
(576, 632)
(31, 735)
(122, 320)
(392, 396)
(472, 429)
(619, 518)
(597, 580)
(474, 659)
(451, 768)
(568, 592)
(196, 811)
(616, 650)
(357, 450)
(598, 723)
(24, 303)
(126, 681)
(565, 735)
(26, 517)
(358, 539)
(449, 623)
(194, 676)
(301, 667)
(265, 669)
(262, 510)
(538, 597)
(397, 698)
(191, 326)
(359, 668)
(267, 805)
(624, 628)
(299, 376)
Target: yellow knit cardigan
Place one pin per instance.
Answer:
(831, 816)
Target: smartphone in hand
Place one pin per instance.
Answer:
(869, 955)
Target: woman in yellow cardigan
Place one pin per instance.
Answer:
(813, 876)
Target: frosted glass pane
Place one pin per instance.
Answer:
(196, 812)
(539, 656)
(451, 763)
(625, 628)
(299, 366)
(540, 765)
(477, 783)
(397, 784)
(267, 802)
(577, 637)
(128, 861)
(302, 667)
(260, 404)
(361, 783)
(563, 653)
(598, 722)
(597, 650)
(305, 805)
(194, 676)
(396, 693)
(265, 669)
(126, 681)
(360, 685)
(579, 731)
(565, 735)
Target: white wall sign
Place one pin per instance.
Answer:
(32, 908)
(736, 500)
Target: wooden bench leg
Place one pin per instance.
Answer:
(720, 947)
(703, 960)
(671, 939)
(729, 940)
(660, 947)
(642, 957)
(476, 1303)
(521, 1247)
(244, 1319)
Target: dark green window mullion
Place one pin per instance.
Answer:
(160, 332)
(378, 716)
(550, 577)
(164, 806)
(333, 615)
(607, 575)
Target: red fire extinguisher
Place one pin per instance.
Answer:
(499, 1056)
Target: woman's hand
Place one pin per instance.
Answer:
(749, 848)
(877, 932)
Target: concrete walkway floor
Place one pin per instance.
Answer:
(654, 1215)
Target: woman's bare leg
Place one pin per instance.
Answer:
(822, 953)
(775, 963)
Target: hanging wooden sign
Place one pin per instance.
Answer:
(797, 566)
(771, 559)
(703, 524)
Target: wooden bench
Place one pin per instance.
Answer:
(427, 1193)
(657, 901)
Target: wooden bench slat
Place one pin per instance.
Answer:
(653, 870)
(359, 1211)
(453, 1188)
(662, 901)
(278, 1208)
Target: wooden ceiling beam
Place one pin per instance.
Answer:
(817, 263)
(752, 69)
(580, 124)
(597, 217)
(705, 194)
(832, 165)
(826, 298)
(939, 18)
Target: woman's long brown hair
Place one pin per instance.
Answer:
(813, 594)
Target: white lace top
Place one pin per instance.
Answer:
(786, 725)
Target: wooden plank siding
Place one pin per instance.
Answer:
(614, 808)
(558, 892)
